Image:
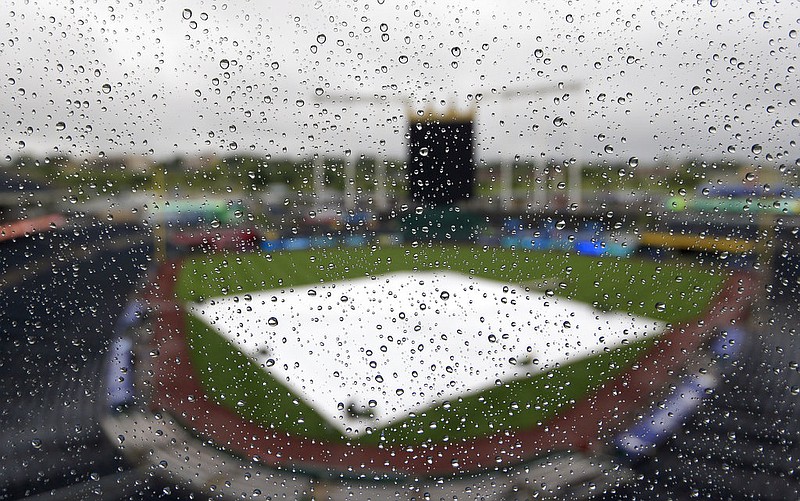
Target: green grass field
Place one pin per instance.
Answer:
(666, 293)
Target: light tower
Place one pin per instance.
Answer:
(441, 144)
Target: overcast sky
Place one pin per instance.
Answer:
(661, 81)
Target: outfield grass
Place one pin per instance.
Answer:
(667, 293)
(643, 288)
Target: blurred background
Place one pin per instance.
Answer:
(133, 133)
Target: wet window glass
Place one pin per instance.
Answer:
(374, 250)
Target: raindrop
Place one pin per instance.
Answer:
(403, 59)
(300, 103)
(608, 149)
(756, 149)
(423, 151)
(633, 161)
(661, 307)
(569, 18)
(749, 176)
(538, 53)
(321, 38)
(695, 90)
(444, 295)
(272, 322)
(558, 121)
(36, 443)
(215, 223)
(224, 64)
(106, 88)
(456, 51)
(187, 14)
(61, 126)
(319, 91)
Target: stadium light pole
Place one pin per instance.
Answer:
(493, 95)
(506, 166)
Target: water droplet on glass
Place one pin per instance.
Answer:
(756, 149)
(319, 91)
(215, 223)
(456, 51)
(61, 126)
(224, 64)
(695, 90)
(633, 161)
(272, 322)
(106, 88)
(423, 151)
(608, 149)
(299, 103)
(36, 443)
(187, 14)
(321, 39)
(444, 295)
(661, 307)
(749, 176)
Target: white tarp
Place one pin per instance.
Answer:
(400, 343)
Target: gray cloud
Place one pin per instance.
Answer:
(88, 77)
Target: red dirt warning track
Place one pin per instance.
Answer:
(177, 390)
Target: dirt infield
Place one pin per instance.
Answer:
(177, 390)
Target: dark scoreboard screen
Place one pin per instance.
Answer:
(441, 168)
